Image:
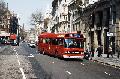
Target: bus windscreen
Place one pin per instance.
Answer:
(73, 43)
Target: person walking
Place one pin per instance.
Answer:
(118, 51)
(99, 50)
(92, 51)
(110, 52)
(87, 52)
(88, 47)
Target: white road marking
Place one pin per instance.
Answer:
(21, 69)
(23, 74)
(107, 73)
(19, 62)
(69, 72)
(31, 55)
(17, 56)
(16, 53)
(82, 64)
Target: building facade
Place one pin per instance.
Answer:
(5, 21)
(101, 21)
(98, 20)
(60, 16)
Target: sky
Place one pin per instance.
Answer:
(24, 9)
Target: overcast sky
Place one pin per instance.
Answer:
(24, 8)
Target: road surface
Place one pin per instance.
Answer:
(23, 62)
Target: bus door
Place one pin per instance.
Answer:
(60, 47)
(44, 45)
(40, 44)
(53, 46)
(48, 45)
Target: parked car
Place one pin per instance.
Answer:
(32, 44)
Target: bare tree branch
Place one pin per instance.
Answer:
(2, 7)
(46, 21)
(36, 17)
(78, 4)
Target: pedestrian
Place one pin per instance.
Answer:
(87, 53)
(99, 50)
(88, 47)
(92, 51)
(118, 50)
(110, 52)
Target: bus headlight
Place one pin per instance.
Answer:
(65, 52)
(82, 52)
(68, 52)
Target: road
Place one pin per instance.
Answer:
(23, 62)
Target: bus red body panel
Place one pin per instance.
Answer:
(69, 45)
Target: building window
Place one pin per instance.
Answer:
(73, 27)
(60, 16)
(114, 17)
(64, 9)
(73, 15)
(64, 17)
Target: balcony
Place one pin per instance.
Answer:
(64, 13)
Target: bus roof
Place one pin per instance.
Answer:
(61, 35)
(46, 35)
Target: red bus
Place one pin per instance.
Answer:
(68, 45)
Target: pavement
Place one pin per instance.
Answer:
(114, 62)
(2, 48)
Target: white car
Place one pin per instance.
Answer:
(32, 44)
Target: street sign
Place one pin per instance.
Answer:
(109, 34)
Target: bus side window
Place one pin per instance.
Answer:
(54, 42)
(47, 41)
(44, 41)
(60, 41)
(81, 44)
(40, 40)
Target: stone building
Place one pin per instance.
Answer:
(48, 22)
(60, 16)
(101, 21)
(5, 20)
(75, 16)
(117, 22)
(98, 20)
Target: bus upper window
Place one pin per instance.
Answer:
(54, 41)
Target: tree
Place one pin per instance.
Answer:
(36, 18)
(2, 7)
(46, 21)
(78, 4)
